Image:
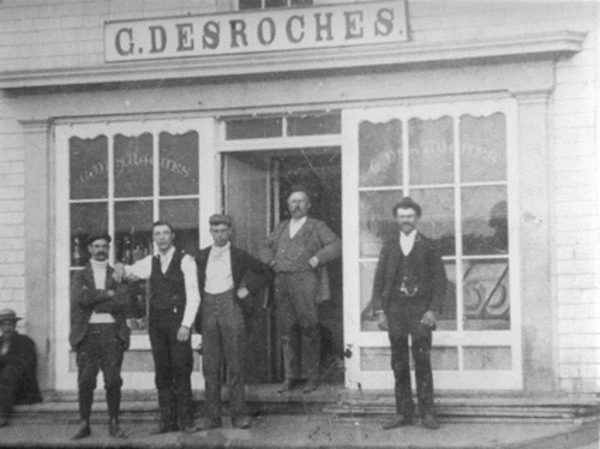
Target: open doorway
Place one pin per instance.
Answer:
(255, 189)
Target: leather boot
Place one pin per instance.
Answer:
(114, 429)
(185, 420)
(165, 410)
(83, 431)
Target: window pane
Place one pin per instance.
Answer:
(483, 148)
(133, 165)
(249, 4)
(309, 125)
(484, 220)
(368, 322)
(86, 219)
(178, 163)
(255, 128)
(487, 358)
(486, 295)
(133, 230)
(275, 3)
(88, 167)
(437, 220)
(447, 319)
(302, 2)
(380, 152)
(431, 156)
(183, 216)
(377, 224)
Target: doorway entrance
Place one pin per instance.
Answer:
(255, 190)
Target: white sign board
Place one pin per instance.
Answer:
(257, 31)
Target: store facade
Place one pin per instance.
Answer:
(457, 106)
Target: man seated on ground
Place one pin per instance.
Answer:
(18, 366)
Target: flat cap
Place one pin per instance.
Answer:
(217, 219)
(9, 315)
(98, 236)
(407, 203)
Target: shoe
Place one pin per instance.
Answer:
(208, 423)
(397, 421)
(286, 386)
(188, 427)
(240, 422)
(83, 431)
(310, 386)
(430, 421)
(114, 430)
(164, 428)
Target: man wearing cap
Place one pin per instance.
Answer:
(99, 334)
(221, 271)
(18, 366)
(408, 290)
(296, 250)
(173, 301)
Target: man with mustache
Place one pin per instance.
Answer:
(296, 249)
(408, 290)
(99, 334)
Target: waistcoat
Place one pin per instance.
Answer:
(291, 252)
(167, 290)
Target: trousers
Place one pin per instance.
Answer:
(223, 340)
(297, 311)
(173, 362)
(100, 349)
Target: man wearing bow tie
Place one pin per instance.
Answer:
(173, 301)
(221, 271)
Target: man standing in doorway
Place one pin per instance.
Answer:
(221, 270)
(99, 334)
(409, 289)
(173, 303)
(296, 250)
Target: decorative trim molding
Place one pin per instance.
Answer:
(549, 44)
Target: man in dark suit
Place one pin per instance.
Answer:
(99, 334)
(297, 250)
(221, 271)
(409, 289)
(18, 365)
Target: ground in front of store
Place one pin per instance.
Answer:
(299, 431)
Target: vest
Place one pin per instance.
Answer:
(167, 291)
(413, 279)
(291, 253)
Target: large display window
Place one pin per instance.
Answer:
(118, 178)
(454, 160)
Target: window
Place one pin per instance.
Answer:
(306, 124)
(455, 165)
(121, 182)
(265, 4)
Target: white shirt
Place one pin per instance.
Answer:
(295, 226)
(99, 270)
(219, 278)
(407, 242)
(143, 268)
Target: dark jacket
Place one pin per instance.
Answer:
(427, 265)
(21, 353)
(85, 299)
(241, 264)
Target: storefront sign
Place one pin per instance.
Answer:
(257, 31)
